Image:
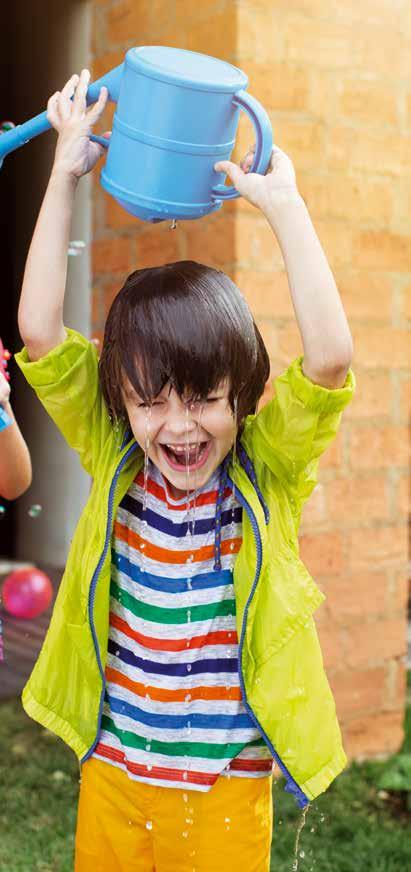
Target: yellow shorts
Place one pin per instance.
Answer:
(127, 826)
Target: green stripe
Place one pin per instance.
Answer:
(171, 616)
(178, 749)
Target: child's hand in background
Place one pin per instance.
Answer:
(4, 390)
(75, 154)
(265, 192)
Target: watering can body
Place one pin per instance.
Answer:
(177, 114)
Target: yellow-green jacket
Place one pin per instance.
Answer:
(284, 686)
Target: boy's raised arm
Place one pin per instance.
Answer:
(40, 313)
(319, 312)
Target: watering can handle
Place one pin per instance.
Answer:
(39, 124)
(264, 142)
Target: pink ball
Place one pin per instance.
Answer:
(27, 593)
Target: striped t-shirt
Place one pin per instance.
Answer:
(173, 712)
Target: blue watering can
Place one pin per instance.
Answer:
(177, 115)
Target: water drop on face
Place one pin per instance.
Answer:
(149, 825)
(35, 510)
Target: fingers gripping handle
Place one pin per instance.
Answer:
(264, 142)
(23, 133)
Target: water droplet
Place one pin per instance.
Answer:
(35, 510)
(184, 834)
(187, 698)
(2, 511)
(302, 854)
(188, 615)
(231, 546)
(148, 747)
(227, 820)
(149, 825)
(188, 667)
(190, 558)
(185, 797)
(117, 652)
(149, 767)
(185, 776)
(148, 696)
(129, 823)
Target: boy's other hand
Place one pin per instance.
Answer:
(4, 390)
(67, 112)
(277, 186)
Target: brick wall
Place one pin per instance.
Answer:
(334, 78)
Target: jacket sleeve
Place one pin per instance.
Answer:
(67, 384)
(291, 432)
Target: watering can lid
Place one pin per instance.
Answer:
(186, 67)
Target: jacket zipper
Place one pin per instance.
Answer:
(291, 785)
(92, 592)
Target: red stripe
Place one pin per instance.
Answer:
(209, 498)
(251, 765)
(156, 772)
(219, 637)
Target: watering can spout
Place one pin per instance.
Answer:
(23, 133)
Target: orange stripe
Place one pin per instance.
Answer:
(219, 637)
(165, 555)
(161, 694)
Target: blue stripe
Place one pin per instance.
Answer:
(178, 530)
(202, 581)
(223, 664)
(179, 722)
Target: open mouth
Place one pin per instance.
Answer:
(178, 457)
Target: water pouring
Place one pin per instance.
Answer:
(177, 113)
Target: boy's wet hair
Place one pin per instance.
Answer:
(187, 324)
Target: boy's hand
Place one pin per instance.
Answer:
(4, 390)
(265, 192)
(75, 154)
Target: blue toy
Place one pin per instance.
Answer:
(177, 115)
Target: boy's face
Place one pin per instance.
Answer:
(170, 424)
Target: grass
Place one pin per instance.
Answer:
(351, 828)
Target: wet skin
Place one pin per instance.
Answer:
(199, 434)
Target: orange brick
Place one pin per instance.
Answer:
(304, 141)
(129, 23)
(380, 347)
(358, 691)
(366, 296)
(111, 255)
(380, 249)
(332, 457)
(368, 102)
(267, 293)
(105, 62)
(337, 196)
(357, 499)
(374, 642)
(322, 43)
(211, 240)
(402, 495)
(315, 509)
(278, 86)
(111, 291)
(374, 734)
(322, 553)
(372, 397)
(158, 245)
(331, 643)
(255, 244)
(117, 217)
(367, 151)
(370, 547)
(357, 594)
(374, 448)
(405, 398)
